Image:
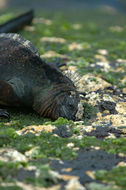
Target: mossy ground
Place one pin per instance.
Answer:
(90, 31)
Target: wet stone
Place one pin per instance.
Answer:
(107, 105)
(63, 131)
(12, 155)
(124, 90)
(22, 174)
(101, 132)
(36, 129)
(121, 108)
(87, 160)
(90, 82)
(74, 184)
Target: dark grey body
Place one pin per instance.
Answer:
(26, 80)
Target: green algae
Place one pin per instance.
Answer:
(116, 176)
(10, 170)
(7, 170)
(5, 17)
(11, 187)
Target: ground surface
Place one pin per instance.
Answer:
(36, 153)
(63, 4)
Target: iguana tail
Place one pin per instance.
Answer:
(16, 24)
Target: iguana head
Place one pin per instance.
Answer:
(68, 106)
(59, 101)
(58, 97)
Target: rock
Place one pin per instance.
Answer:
(36, 129)
(75, 46)
(107, 105)
(31, 152)
(74, 184)
(116, 28)
(124, 78)
(115, 120)
(50, 54)
(53, 40)
(77, 26)
(103, 51)
(89, 83)
(88, 159)
(124, 90)
(11, 155)
(29, 28)
(121, 108)
(93, 98)
(42, 21)
(63, 131)
(102, 132)
(101, 58)
(24, 186)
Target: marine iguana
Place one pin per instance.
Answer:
(27, 81)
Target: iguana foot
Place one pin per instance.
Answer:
(57, 63)
(4, 114)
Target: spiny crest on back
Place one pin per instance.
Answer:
(21, 40)
(73, 76)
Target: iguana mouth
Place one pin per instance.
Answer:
(60, 101)
(80, 111)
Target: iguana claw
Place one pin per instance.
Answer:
(4, 114)
(57, 63)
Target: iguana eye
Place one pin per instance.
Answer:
(71, 105)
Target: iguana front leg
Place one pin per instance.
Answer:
(7, 98)
(4, 114)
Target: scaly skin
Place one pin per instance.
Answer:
(26, 80)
